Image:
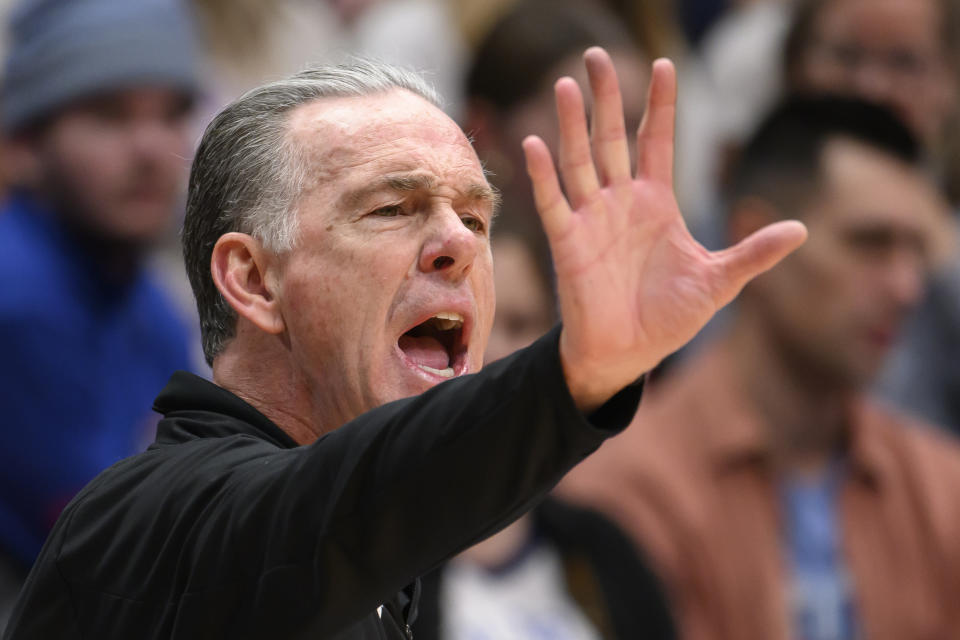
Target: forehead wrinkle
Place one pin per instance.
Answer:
(349, 145)
(376, 154)
(361, 118)
(392, 153)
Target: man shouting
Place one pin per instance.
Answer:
(337, 240)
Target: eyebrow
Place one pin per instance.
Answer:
(486, 193)
(410, 182)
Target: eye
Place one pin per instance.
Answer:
(872, 241)
(389, 211)
(473, 223)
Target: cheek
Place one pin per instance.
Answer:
(321, 329)
(343, 297)
(167, 155)
(175, 139)
(318, 302)
(932, 113)
(919, 114)
(486, 297)
(89, 164)
(795, 287)
(837, 295)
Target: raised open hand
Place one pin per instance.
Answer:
(633, 285)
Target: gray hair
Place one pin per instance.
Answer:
(247, 173)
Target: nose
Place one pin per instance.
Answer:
(873, 82)
(450, 247)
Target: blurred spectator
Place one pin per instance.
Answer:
(741, 57)
(697, 16)
(474, 19)
(95, 99)
(651, 23)
(923, 373)
(419, 34)
(654, 25)
(559, 572)
(906, 54)
(249, 42)
(729, 83)
(525, 307)
(902, 53)
(775, 498)
(510, 90)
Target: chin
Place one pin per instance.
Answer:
(399, 386)
(859, 375)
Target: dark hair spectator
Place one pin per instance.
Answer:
(903, 53)
(781, 162)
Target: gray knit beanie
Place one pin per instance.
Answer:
(62, 50)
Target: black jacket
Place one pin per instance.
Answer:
(224, 528)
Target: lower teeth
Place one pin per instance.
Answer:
(445, 373)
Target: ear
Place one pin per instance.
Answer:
(748, 215)
(244, 274)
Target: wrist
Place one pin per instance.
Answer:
(586, 386)
(592, 384)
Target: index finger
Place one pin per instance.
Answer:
(551, 205)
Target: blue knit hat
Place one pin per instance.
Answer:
(62, 50)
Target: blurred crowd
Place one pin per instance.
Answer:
(790, 474)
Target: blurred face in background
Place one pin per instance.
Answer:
(524, 303)
(888, 51)
(537, 115)
(115, 164)
(837, 305)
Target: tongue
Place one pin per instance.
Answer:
(425, 351)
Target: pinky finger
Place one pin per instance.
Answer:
(551, 204)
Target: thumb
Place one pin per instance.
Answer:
(755, 254)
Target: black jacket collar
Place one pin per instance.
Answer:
(193, 407)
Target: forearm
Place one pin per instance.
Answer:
(407, 485)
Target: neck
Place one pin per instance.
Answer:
(253, 368)
(805, 414)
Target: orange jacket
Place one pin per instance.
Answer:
(690, 479)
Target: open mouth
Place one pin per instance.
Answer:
(436, 346)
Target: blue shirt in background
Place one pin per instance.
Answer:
(81, 361)
(821, 592)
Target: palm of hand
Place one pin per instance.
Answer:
(633, 284)
(630, 271)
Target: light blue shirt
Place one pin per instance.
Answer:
(820, 588)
